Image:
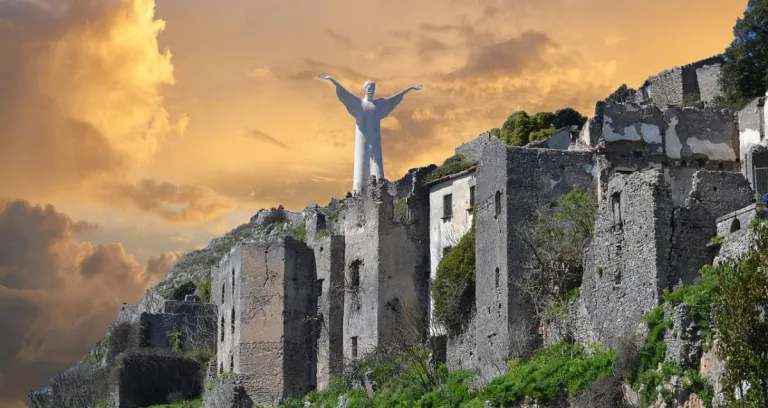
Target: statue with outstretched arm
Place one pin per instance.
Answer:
(368, 113)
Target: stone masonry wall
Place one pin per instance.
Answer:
(625, 264)
(627, 132)
(361, 279)
(473, 149)
(329, 260)
(386, 265)
(511, 184)
(272, 335)
(713, 195)
(735, 229)
(708, 78)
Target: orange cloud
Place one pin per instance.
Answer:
(171, 202)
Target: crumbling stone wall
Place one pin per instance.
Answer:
(708, 78)
(629, 134)
(644, 242)
(386, 265)
(473, 149)
(626, 264)
(145, 378)
(735, 230)
(692, 82)
(329, 261)
(511, 184)
(272, 340)
(460, 347)
(713, 194)
(77, 387)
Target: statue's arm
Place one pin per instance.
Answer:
(389, 104)
(350, 101)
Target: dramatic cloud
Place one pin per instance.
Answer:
(173, 203)
(58, 294)
(81, 95)
(263, 137)
(511, 57)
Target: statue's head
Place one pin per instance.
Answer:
(369, 87)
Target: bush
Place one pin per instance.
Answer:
(451, 165)
(552, 374)
(299, 231)
(453, 289)
(205, 290)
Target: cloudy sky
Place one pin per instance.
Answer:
(131, 131)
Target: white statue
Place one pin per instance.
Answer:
(368, 113)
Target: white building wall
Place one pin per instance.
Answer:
(446, 232)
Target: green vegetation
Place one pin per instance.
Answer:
(454, 287)
(198, 403)
(205, 290)
(407, 379)
(221, 378)
(400, 211)
(142, 333)
(730, 297)
(177, 290)
(715, 241)
(556, 371)
(451, 165)
(520, 128)
(743, 77)
(556, 240)
(620, 95)
(401, 379)
(298, 231)
(175, 340)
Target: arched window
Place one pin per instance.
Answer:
(497, 203)
(735, 225)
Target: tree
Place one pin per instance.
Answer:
(744, 75)
(544, 120)
(569, 117)
(621, 94)
(555, 242)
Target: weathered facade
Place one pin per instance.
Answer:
(511, 184)
(698, 81)
(451, 202)
(266, 293)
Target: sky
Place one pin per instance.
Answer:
(132, 131)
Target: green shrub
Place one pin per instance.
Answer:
(178, 290)
(198, 403)
(175, 340)
(299, 231)
(451, 165)
(205, 290)
(542, 134)
(453, 289)
(715, 241)
(203, 355)
(555, 372)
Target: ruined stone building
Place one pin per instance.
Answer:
(697, 81)
(666, 182)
